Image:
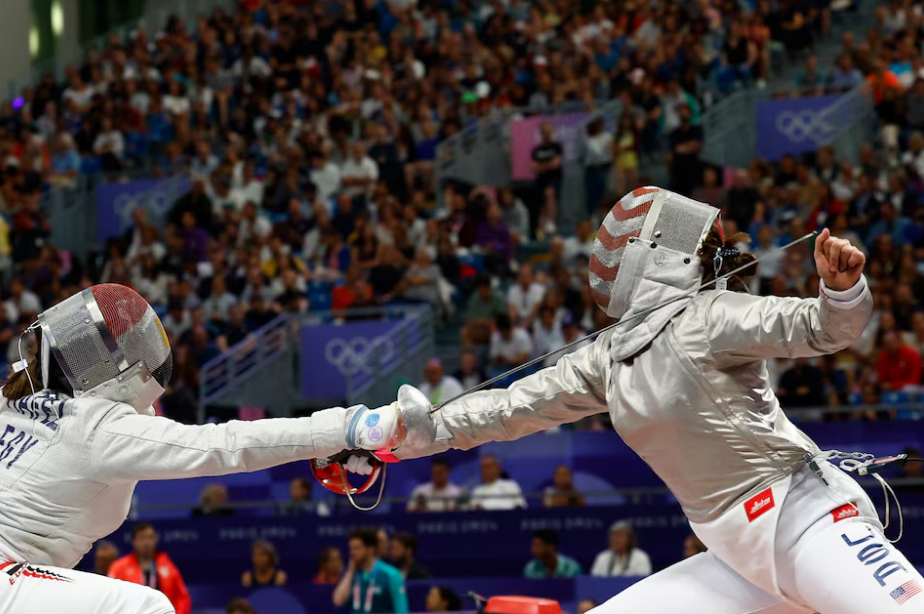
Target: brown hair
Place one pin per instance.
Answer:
(711, 245)
(17, 384)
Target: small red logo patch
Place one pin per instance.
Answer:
(844, 512)
(758, 505)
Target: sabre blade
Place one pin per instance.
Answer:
(596, 334)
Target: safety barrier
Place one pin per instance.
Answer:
(731, 132)
(412, 345)
(263, 352)
(273, 353)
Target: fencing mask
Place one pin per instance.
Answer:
(645, 254)
(109, 343)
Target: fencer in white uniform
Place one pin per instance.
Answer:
(685, 381)
(72, 451)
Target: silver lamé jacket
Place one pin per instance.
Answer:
(695, 401)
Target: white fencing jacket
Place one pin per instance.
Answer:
(695, 402)
(68, 467)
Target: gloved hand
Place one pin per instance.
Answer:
(374, 429)
(422, 424)
(358, 464)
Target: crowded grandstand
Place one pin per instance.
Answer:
(325, 200)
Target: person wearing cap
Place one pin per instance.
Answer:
(438, 386)
(623, 557)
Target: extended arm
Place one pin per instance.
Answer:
(573, 389)
(742, 328)
(131, 446)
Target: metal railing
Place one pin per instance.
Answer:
(912, 410)
(730, 129)
(730, 126)
(399, 354)
(260, 351)
(647, 495)
(272, 352)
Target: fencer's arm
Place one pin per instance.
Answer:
(574, 388)
(741, 328)
(128, 445)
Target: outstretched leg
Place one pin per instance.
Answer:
(698, 585)
(850, 568)
(36, 589)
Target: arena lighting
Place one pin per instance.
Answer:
(34, 41)
(57, 18)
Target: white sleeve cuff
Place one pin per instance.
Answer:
(846, 299)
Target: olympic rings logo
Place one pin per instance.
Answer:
(798, 126)
(353, 356)
(157, 200)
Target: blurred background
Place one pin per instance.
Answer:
(324, 199)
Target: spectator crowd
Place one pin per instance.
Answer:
(310, 134)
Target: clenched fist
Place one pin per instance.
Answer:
(839, 263)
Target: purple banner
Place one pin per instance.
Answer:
(334, 352)
(799, 125)
(116, 201)
(524, 134)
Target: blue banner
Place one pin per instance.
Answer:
(116, 201)
(798, 125)
(460, 544)
(334, 352)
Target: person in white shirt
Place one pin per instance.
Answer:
(524, 297)
(326, 178)
(253, 226)
(547, 335)
(79, 92)
(437, 495)
(495, 491)
(358, 173)
(438, 386)
(175, 102)
(109, 142)
(205, 161)
(249, 188)
(623, 557)
(509, 346)
(582, 244)
(21, 301)
(217, 305)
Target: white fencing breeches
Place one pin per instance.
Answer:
(836, 563)
(36, 589)
(832, 573)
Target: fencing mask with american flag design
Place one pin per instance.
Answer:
(650, 233)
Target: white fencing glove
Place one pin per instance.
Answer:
(374, 429)
(358, 464)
